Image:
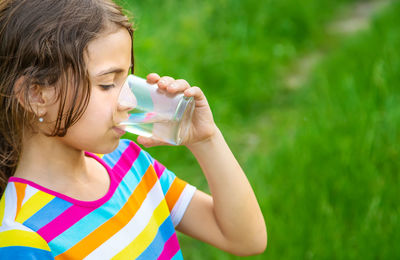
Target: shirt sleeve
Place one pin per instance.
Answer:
(178, 193)
(19, 244)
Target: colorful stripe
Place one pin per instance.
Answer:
(166, 179)
(181, 204)
(77, 232)
(47, 214)
(33, 205)
(10, 207)
(178, 256)
(132, 229)
(65, 220)
(23, 253)
(171, 248)
(96, 218)
(143, 240)
(112, 158)
(156, 247)
(174, 192)
(135, 219)
(20, 189)
(2, 208)
(108, 229)
(29, 192)
(22, 238)
(140, 166)
(126, 160)
(159, 168)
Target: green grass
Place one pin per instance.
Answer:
(324, 159)
(226, 46)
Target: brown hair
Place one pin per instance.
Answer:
(43, 43)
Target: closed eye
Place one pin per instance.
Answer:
(107, 87)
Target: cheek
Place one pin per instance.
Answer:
(98, 116)
(91, 127)
(99, 112)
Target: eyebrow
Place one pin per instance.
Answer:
(110, 71)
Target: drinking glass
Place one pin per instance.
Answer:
(154, 112)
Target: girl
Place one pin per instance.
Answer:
(71, 188)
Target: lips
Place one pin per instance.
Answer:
(119, 130)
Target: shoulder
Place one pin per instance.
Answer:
(17, 241)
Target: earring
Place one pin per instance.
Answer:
(41, 119)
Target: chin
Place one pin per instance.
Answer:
(112, 147)
(104, 147)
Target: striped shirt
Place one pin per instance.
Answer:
(136, 219)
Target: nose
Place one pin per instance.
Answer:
(126, 99)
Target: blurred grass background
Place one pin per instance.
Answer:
(323, 158)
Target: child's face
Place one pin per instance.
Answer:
(108, 61)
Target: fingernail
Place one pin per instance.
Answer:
(172, 86)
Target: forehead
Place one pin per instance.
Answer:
(109, 50)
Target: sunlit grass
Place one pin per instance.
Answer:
(323, 159)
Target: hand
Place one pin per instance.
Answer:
(202, 126)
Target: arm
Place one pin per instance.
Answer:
(230, 218)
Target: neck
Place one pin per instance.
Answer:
(52, 163)
(49, 161)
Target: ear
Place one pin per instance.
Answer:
(34, 98)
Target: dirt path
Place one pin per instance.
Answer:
(350, 20)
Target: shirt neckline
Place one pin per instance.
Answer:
(82, 203)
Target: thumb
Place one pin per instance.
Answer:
(150, 142)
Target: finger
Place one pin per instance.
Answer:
(198, 95)
(152, 78)
(178, 85)
(150, 142)
(194, 92)
(164, 82)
